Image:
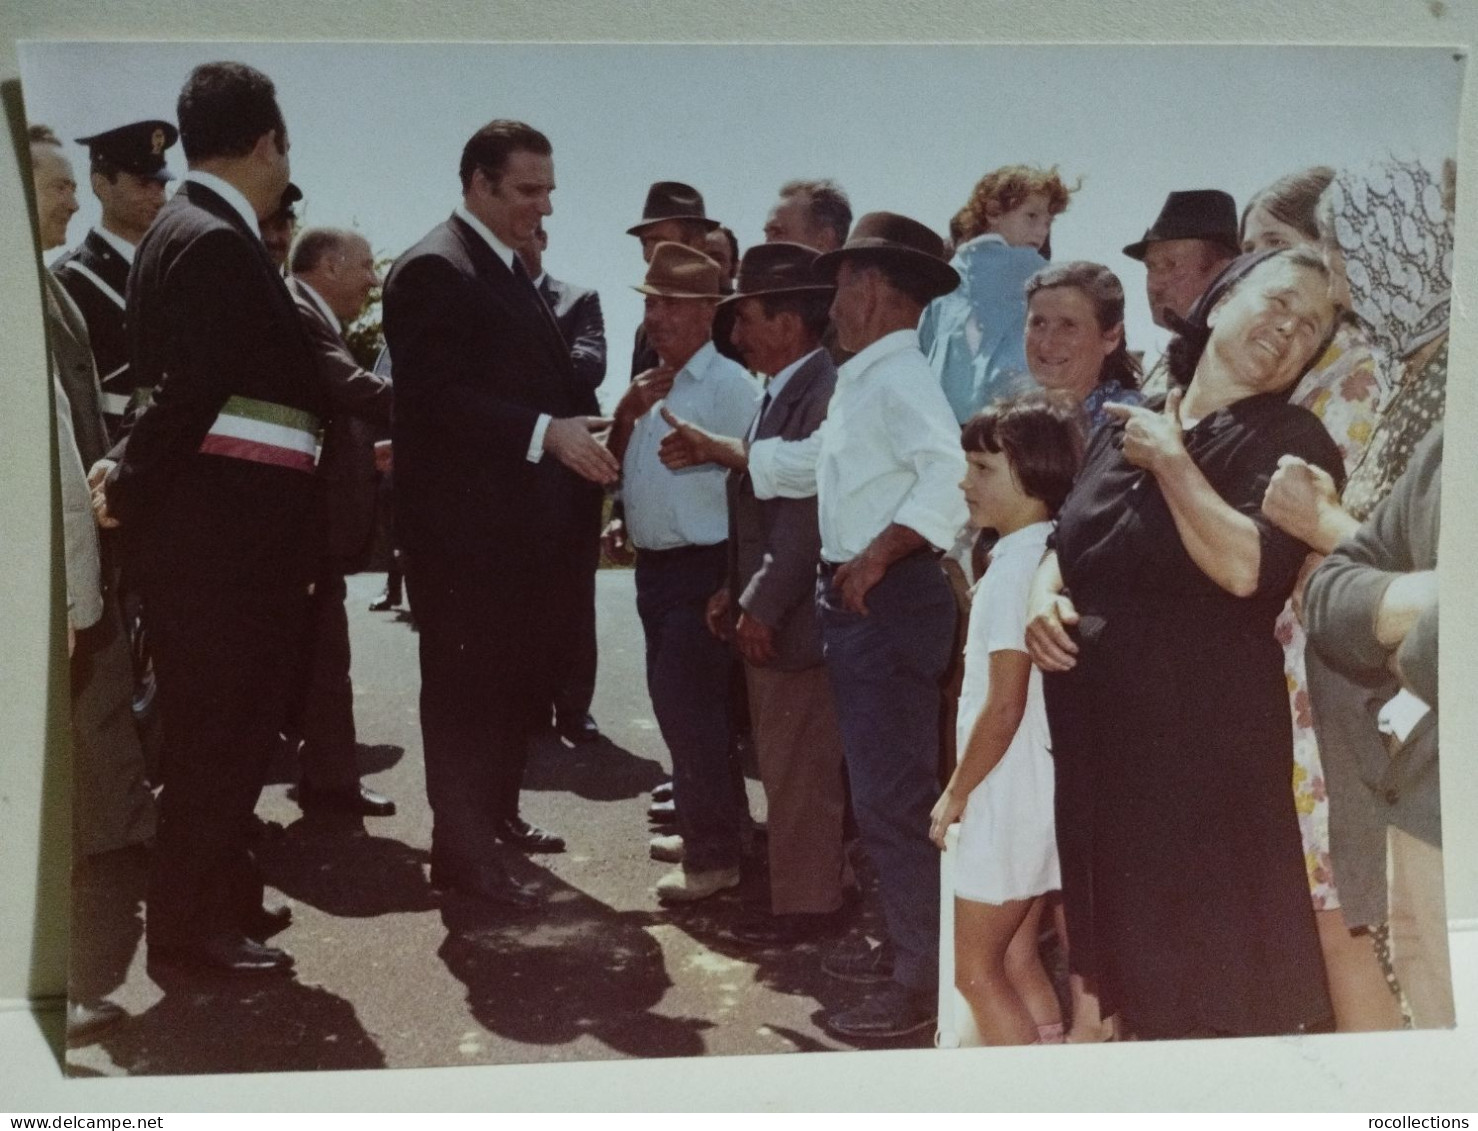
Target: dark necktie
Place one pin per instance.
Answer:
(760, 418)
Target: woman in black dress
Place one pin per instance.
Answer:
(1183, 877)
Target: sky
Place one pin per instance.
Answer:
(377, 130)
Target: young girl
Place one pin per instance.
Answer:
(972, 336)
(1022, 457)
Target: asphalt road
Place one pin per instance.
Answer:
(389, 975)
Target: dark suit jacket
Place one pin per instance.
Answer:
(478, 357)
(93, 262)
(577, 311)
(359, 402)
(209, 318)
(774, 545)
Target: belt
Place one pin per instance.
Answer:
(826, 569)
(678, 553)
(263, 432)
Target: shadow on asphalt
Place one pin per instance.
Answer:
(575, 967)
(595, 771)
(328, 861)
(107, 920)
(203, 1024)
(285, 767)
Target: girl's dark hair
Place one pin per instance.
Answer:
(1293, 200)
(1043, 437)
(1106, 293)
(1192, 333)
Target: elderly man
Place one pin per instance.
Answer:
(333, 273)
(1193, 238)
(111, 806)
(673, 213)
(885, 467)
(679, 527)
(496, 475)
(768, 606)
(219, 512)
(813, 213)
(577, 311)
(128, 178)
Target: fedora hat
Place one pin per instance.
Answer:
(1193, 214)
(887, 237)
(678, 271)
(778, 269)
(671, 200)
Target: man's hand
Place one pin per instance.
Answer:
(687, 445)
(571, 440)
(97, 481)
(1151, 439)
(384, 457)
(1297, 497)
(614, 543)
(716, 613)
(756, 641)
(1047, 639)
(856, 578)
(645, 390)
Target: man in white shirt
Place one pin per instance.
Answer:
(885, 467)
(678, 523)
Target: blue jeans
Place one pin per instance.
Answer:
(885, 671)
(688, 681)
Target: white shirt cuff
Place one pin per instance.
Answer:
(536, 441)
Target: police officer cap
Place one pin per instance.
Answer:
(135, 148)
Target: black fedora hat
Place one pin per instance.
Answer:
(136, 148)
(672, 200)
(1193, 214)
(890, 238)
(779, 269)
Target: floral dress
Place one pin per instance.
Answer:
(1344, 391)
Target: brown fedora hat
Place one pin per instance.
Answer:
(672, 200)
(778, 269)
(678, 271)
(890, 238)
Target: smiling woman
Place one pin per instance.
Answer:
(1187, 907)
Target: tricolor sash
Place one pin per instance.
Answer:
(264, 432)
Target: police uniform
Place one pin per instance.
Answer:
(95, 272)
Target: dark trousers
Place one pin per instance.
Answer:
(223, 659)
(323, 714)
(486, 654)
(576, 683)
(885, 671)
(688, 681)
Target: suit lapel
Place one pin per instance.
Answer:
(68, 317)
(783, 407)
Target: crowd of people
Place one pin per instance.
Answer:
(1160, 638)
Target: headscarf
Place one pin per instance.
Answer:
(1395, 232)
(1192, 332)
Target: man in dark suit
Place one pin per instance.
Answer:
(496, 475)
(577, 311)
(333, 273)
(219, 512)
(128, 177)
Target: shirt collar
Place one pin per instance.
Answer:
(500, 249)
(539, 282)
(698, 365)
(318, 301)
(1036, 532)
(778, 381)
(886, 346)
(230, 194)
(116, 242)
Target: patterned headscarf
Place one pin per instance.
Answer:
(1393, 228)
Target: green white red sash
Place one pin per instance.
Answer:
(264, 433)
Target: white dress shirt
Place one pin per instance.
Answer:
(776, 385)
(506, 253)
(668, 509)
(231, 195)
(888, 452)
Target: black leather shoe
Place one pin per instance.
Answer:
(360, 801)
(663, 792)
(786, 930)
(499, 891)
(662, 812)
(264, 922)
(518, 833)
(86, 1019)
(233, 955)
(579, 729)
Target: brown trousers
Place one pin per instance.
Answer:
(799, 749)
